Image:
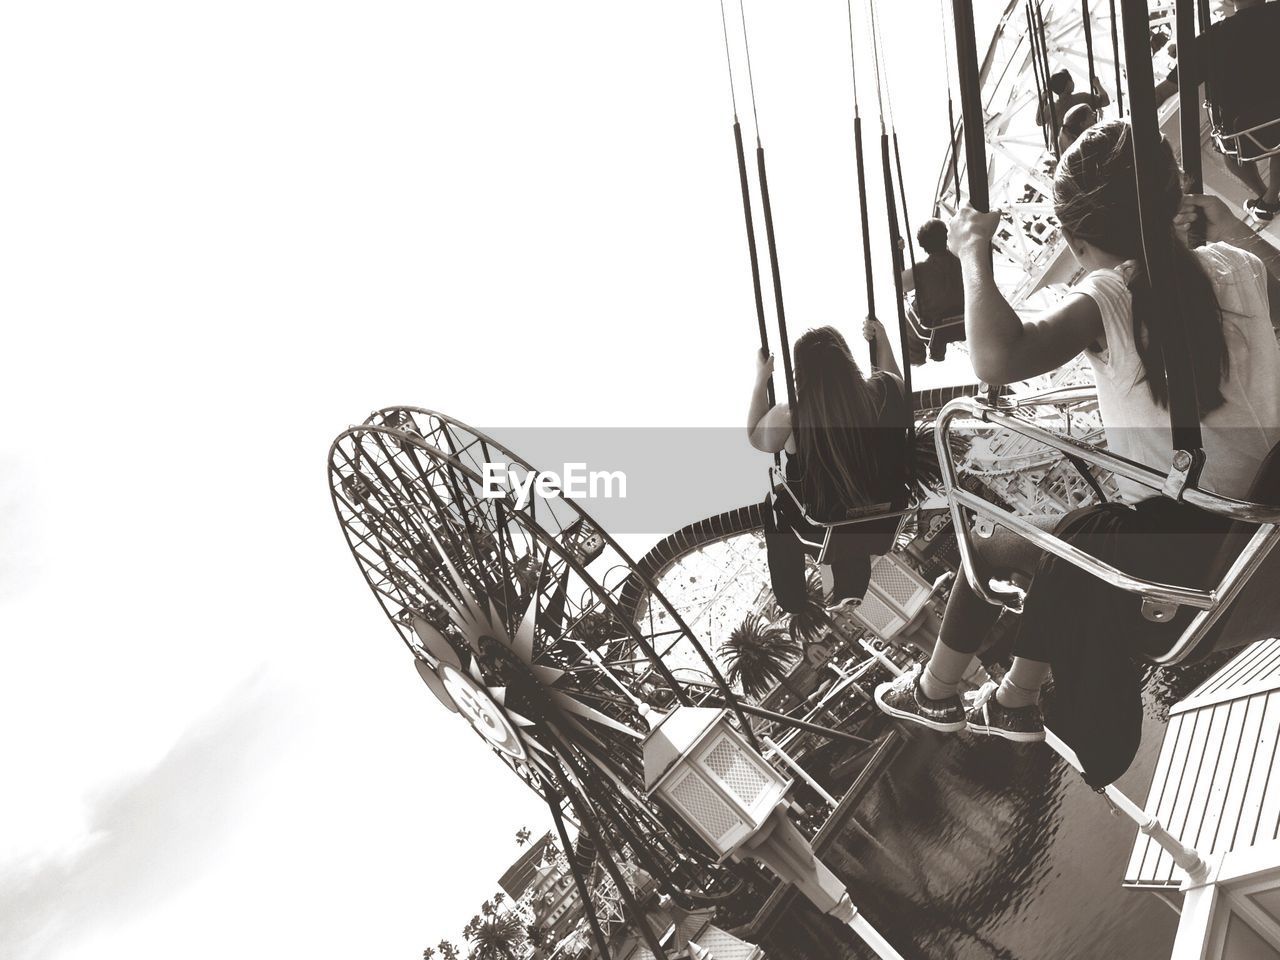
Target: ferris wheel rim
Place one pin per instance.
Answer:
(648, 582)
(522, 769)
(708, 882)
(529, 523)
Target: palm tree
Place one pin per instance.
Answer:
(497, 937)
(809, 622)
(758, 655)
(928, 471)
(522, 836)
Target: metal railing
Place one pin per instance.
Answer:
(1160, 600)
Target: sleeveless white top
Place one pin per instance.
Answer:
(1238, 434)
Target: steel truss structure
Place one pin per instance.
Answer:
(511, 611)
(1019, 164)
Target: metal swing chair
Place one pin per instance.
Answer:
(896, 600)
(940, 331)
(944, 330)
(1242, 89)
(1241, 604)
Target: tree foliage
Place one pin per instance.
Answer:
(498, 937)
(758, 654)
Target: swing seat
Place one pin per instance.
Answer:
(1242, 77)
(869, 530)
(924, 329)
(1240, 604)
(1254, 613)
(935, 336)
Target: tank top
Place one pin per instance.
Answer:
(886, 442)
(1238, 434)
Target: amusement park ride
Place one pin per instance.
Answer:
(582, 669)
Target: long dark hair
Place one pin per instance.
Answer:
(1095, 197)
(834, 412)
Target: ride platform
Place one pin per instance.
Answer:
(1216, 789)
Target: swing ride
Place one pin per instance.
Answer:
(577, 665)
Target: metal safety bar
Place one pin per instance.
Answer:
(1210, 603)
(876, 511)
(925, 332)
(978, 408)
(1223, 138)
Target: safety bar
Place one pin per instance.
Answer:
(1210, 603)
(1057, 397)
(1003, 416)
(918, 325)
(1222, 139)
(876, 511)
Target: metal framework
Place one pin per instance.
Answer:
(1160, 598)
(535, 626)
(1018, 164)
(511, 625)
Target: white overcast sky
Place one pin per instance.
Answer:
(230, 230)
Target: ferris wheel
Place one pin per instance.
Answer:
(512, 613)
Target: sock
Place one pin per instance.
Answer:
(1021, 685)
(941, 675)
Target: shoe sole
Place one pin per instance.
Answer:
(936, 725)
(1014, 735)
(1258, 217)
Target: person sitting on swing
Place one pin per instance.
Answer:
(1264, 205)
(938, 287)
(1230, 296)
(846, 445)
(1076, 121)
(1062, 90)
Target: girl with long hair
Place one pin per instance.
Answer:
(846, 444)
(1229, 299)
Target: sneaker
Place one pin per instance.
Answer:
(842, 608)
(988, 716)
(903, 698)
(1259, 209)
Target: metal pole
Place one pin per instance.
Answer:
(800, 772)
(872, 938)
(1189, 77)
(954, 138)
(1087, 20)
(828, 732)
(1185, 857)
(1041, 85)
(1157, 245)
(867, 271)
(777, 279)
(971, 109)
(1054, 119)
(751, 247)
(553, 801)
(895, 252)
(902, 196)
(636, 915)
(1115, 59)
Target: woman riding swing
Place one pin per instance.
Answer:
(1229, 294)
(846, 443)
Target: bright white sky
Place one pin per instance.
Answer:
(229, 230)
